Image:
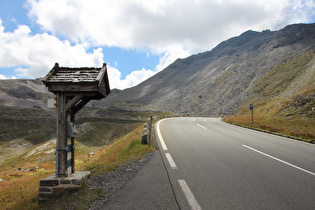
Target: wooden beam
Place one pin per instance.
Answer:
(73, 102)
(81, 104)
(73, 87)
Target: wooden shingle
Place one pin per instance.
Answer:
(88, 81)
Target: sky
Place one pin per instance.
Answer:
(136, 38)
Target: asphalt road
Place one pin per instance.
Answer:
(214, 165)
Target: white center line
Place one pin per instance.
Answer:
(193, 203)
(171, 161)
(164, 147)
(282, 161)
(202, 126)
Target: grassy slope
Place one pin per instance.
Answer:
(32, 124)
(283, 99)
(19, 190)
(114, 142)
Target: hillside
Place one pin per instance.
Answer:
(250, 68)
(24, 93)
(274, 70)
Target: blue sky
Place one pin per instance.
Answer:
(136, 38)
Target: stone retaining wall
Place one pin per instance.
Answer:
(52, 186)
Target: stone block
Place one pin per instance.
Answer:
(48, 182)
(52, 186)
(44, 189)
(45, 195)
(57, 191)
(76, 181)
(65, 181)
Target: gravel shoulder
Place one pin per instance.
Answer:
(113, 181)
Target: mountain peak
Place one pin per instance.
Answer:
(221, 80)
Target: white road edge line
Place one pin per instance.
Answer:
(202, 126)
(171, 161)
(164, 147)
(282, 161)
(193, 203)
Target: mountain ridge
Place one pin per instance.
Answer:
(211, 83)
(216, 82)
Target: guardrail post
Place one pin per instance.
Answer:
(150, 129)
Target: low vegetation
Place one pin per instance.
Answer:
(34, 125)
(300, 128)
(283, 99)
(292, 117)
(113, 138)
(19, 187)
(123, 150)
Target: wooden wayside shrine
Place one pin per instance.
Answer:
(74, 88)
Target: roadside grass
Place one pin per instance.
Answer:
(283, 99)
(19, 188)
(114, 138)
(291, 117)
(298, 127)
(121, 151)
(128, 147)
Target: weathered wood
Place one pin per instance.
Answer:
(78, 80)
(61, 147)
(81, 104)
(72, 119)
(150, 130)
(74, 88)
(73, 102)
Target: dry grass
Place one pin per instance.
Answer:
(298, 127)
(109, 158)
(19, 188)
(283, 99)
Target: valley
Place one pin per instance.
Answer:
(273, 70)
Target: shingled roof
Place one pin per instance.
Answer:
(92, 81)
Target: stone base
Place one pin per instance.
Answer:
(52, 186)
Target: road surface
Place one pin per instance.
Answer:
(214, 165)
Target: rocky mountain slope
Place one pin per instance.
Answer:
(246, 69)
(255, 67)
(24, 93)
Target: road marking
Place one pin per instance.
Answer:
(201, 126)
(282, 161)
(193, 203)
(171, 161)
(164, 147)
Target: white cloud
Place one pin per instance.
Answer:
(38, 53)
(197, 25)
(134, 78)
(172, 29)
(158, 25)
(174, 52)
(2, 76)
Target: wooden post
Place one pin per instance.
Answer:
(71, 97)
(72, 119)
(251, 107)
(61, 146)
(150, 128)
